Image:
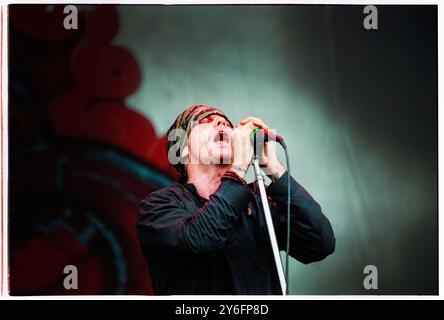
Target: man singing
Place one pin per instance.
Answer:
(206, 234)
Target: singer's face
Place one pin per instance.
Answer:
(209, 142)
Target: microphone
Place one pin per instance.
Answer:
(265, 135)
(261, 136)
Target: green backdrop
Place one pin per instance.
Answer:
(358, 109)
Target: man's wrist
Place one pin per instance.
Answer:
(240, 169)
(277, 173)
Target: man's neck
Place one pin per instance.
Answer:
(206, 178)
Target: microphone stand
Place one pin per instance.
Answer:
(259, 177)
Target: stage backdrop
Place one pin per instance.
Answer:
(89, 110)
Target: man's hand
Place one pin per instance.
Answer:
(268, 160)
(270, 163)
(242, 147)
(243, 150)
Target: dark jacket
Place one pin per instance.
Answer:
(198, 246)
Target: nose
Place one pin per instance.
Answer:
(222, 122)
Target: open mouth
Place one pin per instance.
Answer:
(222, 136)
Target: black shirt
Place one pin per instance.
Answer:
(221, 245)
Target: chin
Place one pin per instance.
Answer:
(222, 157)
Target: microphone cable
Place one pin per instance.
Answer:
(287, 160)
